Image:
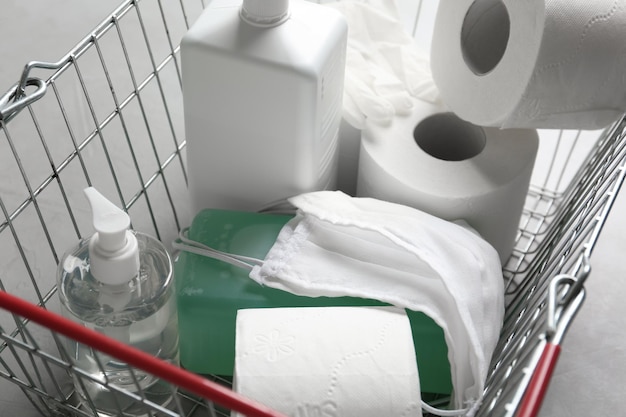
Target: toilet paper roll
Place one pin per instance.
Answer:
(348, 166)
(436, 162)
(534, 63)
(328, 361)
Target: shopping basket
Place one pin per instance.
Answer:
(109, 114)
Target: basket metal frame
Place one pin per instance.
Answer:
(544, 276)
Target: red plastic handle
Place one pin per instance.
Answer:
(531, 403)
(168, 372)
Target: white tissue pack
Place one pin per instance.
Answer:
(328, 361)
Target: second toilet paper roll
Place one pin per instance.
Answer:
(533, 63)
(438, 163)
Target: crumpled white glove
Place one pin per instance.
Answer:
(385, 69)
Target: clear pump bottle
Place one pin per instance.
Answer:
(119, 282)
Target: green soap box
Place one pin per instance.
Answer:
(209, 293)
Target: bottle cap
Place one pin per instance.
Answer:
(265, 12)
(113, 249)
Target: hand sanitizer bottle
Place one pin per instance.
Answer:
(119, 282)
(262, 94)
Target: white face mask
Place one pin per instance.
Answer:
(337, 245)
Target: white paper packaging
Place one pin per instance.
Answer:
(328, 361)
(482, 179)
(533, 63)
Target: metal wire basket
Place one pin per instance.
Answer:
(109, 114)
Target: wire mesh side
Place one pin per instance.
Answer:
(571, 229)
(109, 121)
(112, 118)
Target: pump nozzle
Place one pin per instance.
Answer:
(113, 250)
(110, 221)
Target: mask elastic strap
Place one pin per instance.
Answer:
(443, 413)
(183, 243)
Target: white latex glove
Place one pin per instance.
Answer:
(384, 66)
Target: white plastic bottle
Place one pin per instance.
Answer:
(119, 282)
(262, 88)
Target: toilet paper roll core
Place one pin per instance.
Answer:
(446, 137)
(484, 35)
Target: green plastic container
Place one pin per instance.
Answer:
(209, 293)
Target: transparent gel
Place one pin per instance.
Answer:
(140, 313)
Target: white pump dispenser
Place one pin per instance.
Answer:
(113, 250)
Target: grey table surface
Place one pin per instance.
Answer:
(590, 378)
